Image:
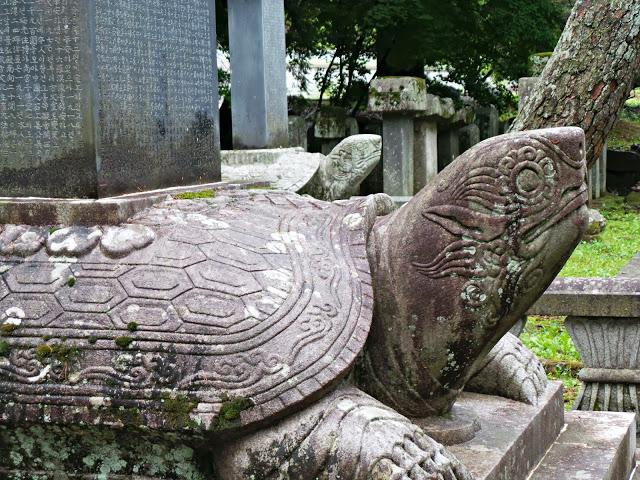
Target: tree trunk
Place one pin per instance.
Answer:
(591, 73)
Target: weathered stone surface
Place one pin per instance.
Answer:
(398, 155)
(469, 137)
(458, 426)
(331, 125)
(346, 435)
(511, 371)
(398, 94)
(425, 153)
(340, 173)
(631, 269)
(298, 132)
(525, 88)
(513, 437)
(334, 177)
(597, 224)
(274, 317)
(121, 241)
(481, 233)
(21, 240)
(116, 97)
(73, 241)
(258, 73)
(590, 297)
(283, 169)
(488, 119)
(594, 446)
(106, 211)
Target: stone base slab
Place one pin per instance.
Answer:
(513, 437)
(89, 212)
(593, 446)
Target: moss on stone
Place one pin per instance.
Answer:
(123, 342)
(60, 352)
(195, 195)
(132, 326)
(177, 411)
(71, 282)
(5, 349)
(93, 340)
(230, 411)
(7, 328)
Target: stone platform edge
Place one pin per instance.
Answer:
(88, 212)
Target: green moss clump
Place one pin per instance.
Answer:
(177, 411)
(71, 282)
(5, 348)
(195, 195)
(60, 352)
(229, 415)
(8, 328)
(132, 326)
(93, 339)
(53, 230)
(124, 342)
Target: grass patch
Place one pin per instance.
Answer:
(613, 249)
(195, 195)
(548, 338)
(624, 134)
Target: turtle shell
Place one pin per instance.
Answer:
(211, 315)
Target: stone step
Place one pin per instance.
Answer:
(593, 446)
(513, 436)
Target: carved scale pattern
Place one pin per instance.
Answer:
(264, 296)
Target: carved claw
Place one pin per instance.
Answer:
(347, 434)
(511, 371)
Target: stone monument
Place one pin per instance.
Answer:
(222, 329)
(258, 74)
(106, 97)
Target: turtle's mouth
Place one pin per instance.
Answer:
(572, 198)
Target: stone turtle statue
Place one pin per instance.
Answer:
(334, 177)
(237, 320)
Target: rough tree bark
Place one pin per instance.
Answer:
(591, 73)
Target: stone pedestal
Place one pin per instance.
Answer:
(595, 181)
(258, 73)
(425, 153)
(448, 147)
(398, 159)
(107, 97)
(469, 137)
(330, 128)
(603, 168)
(298, 132)
(525, 88)
(488, 121)
(399, 99)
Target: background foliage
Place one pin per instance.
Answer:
(474, 40)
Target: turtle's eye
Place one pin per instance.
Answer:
(529, 179)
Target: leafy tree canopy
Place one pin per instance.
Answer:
(473, 40)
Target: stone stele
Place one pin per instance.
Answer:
(234, 321)
(106, 97)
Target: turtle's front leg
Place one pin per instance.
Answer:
(511, 371)
(346, 435)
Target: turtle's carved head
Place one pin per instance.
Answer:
(350, 162)
(470, 254)
(509, 212)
